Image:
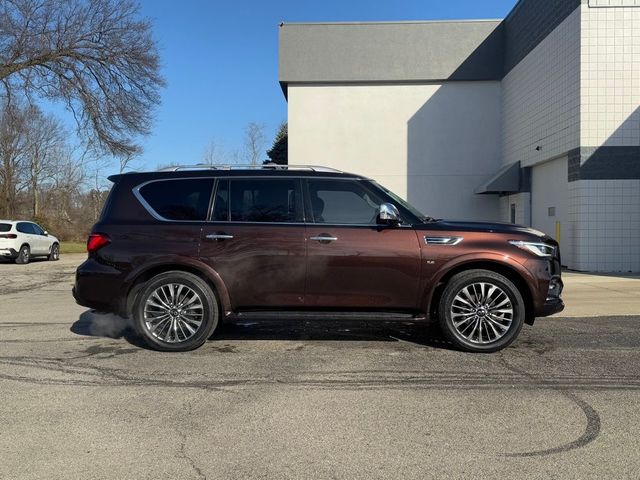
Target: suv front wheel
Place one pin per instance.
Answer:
(481, 311)
(175, 312)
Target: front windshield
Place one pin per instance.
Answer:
(406, 205)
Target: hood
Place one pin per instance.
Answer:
(489, 227)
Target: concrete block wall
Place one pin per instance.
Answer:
(606, 212)
(541, 98)
(610, 75)
(606, 219)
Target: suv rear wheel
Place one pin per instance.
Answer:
(23, 255)
(176, 311)
(481, 311)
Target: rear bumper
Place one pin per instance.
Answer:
(97, 286)
(8, 253)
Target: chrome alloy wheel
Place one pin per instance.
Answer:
(173, 313)
(482, 313)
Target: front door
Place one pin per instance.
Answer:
(255, 241)
(352, 262)
(40, 239)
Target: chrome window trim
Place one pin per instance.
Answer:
(369, 225)
(136, 193)
(156, 215)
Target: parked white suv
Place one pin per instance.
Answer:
(22, 240)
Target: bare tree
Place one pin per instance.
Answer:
(96, 56)
(126, 161)
(254, 142)
(46, 140)
(13, 156)
(214, 153)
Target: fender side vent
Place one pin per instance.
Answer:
(442, 240)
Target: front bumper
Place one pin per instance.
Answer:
(551, 306)
(553, 303)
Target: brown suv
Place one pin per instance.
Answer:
(181, 251)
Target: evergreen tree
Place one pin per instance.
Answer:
(279, 152)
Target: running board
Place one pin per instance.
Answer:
(325, 315)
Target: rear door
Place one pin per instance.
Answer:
(352, 261)
(27, 234)
(256, 241)
(180, 207)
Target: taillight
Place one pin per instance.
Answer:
(96, 241)
(8, 235)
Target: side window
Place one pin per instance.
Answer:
(342, 202)
(36, 229)
(221, 202)
(186, 199)
(265, 200)
(24, 227)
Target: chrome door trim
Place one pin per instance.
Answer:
(322, 238)
(219, 236)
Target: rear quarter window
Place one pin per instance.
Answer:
(186, 200)
(24, 227)
(5, 227)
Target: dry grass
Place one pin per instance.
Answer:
(73, 247)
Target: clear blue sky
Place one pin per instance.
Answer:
(220, 60)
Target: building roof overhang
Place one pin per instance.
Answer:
(506, 180)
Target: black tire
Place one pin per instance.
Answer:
(23, 255)
(54, 254)
(209, 319)
(471, 279)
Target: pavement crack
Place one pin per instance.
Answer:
(182, 450)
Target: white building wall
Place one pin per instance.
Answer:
(432, 144)
(549, 187)
(522, 202)
(610, 75)
(606, 214)
(541, 98)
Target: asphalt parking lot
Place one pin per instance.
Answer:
(80, 399)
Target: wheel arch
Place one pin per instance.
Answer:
(513, 273)
(136, 280)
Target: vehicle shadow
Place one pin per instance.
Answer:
(31, 260)
(420, 332)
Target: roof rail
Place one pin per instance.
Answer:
(266, 166)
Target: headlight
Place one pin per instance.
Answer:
(538, 249)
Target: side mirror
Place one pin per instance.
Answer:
(388, 214)
(46, 234)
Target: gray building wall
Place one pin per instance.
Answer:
(390, 52)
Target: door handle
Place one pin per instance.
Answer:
(219, 236)
(324, 238)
